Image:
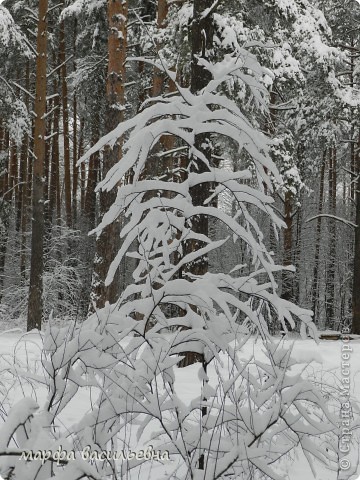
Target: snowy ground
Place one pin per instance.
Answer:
(17, 349)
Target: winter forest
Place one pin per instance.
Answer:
(179, 239)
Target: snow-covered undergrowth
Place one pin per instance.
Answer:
(252, 421)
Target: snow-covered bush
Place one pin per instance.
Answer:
(62, 280)
(236, 413)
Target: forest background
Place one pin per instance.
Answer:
(54, 111)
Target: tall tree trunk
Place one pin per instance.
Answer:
(202, 34)
(356, 272)
(23, 180)
(89, 214)
(4, 202)
(353, 155)
(92, 178)
(82, 166)
(5, 173)
(108, 243)
(158, 80)
(35, 306)
(202, 44)
(3, 159)
(287, 277)
(13, 171)
(54, 190)
(48, 145)
(75, 139)
(315, 286)
(330, 280)
(297, 256)
(65, 117)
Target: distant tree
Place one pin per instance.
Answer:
(107, 243)
(35, 307)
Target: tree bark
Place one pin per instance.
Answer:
(13, 171)
(330, 280)
(315, 286)
(82, 166)
(75, 140)
(158, 80)
(108, 243)
(287, 277)
(202, 43)
(356, 275)
(54, 190)
(4, 197)
(22, 187)
(65, 118)
(35, 306)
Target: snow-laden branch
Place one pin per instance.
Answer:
(332, 217)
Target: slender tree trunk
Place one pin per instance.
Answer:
(202, 34)
(353, 156)
(82, 166)
(35, 306)
(158, 80)
(202, 45)
(356, 274)
(89, 217)
(297, 256)
(75, 140)
(13, 171)
(330, 280)
(3, 156)
(23, 204)
(48, 145)
(65, 117)
(4, 202)
(315, 286)
(287, 277)
(108, 243)
(22, 179)
(92, 178)
(5, 176)
(54, 190)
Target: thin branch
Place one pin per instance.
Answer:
(24, 90)
(339, 219)
(210, 10)
(59, 66)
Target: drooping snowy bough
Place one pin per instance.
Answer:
(246, 413)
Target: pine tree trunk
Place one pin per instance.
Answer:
(108, 243)
(4, 198)
(202, 43)
(353, 156)
(315, 286)
(13, 171)
(48, 145)
(65, 118)
(158, 80)
(5, 177)
(75, 140)
(82, 166)
(35, 306)
(330, 280)
(92, 178)
(22, 208)
(356, 275)
(54, 190)
(2, 159)
(287, 277)
(89, 217)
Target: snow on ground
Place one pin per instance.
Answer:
(19, 350)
